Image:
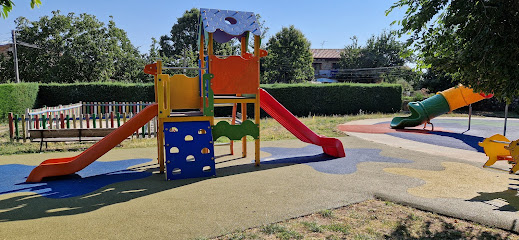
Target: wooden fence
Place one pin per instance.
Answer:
(80, 115)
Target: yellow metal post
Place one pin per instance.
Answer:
(160, 135)
(243, 41)
(210, 45)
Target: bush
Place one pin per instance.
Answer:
(16, 97)
(340, 98)
(55, 94)
(300, 99)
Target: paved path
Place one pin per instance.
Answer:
(123, 196)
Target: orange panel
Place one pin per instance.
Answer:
(234, 74)
(461, 96)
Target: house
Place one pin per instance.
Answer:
(6, 48)
(326, 61)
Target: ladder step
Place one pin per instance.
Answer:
(222, 144)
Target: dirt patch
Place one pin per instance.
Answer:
(373, 219)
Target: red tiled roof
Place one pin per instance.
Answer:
(327, 53)
(4, 48)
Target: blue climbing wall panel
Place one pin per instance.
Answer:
(189, 150)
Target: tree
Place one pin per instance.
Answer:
(7, 6)
(476, 42)
(380, 51)
(182, 42)
(183, 34)
(436, 80)
(76, 49)
(289, 59)
(380, 59)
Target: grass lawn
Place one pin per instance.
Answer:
(270, 130)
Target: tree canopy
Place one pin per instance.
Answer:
(289, 59)
(380, 51)
(7, 6)
(380, 59)
(74, 48)
(183, 40)
(476, 42)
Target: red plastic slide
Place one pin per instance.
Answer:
(331, 146)
(65, 166)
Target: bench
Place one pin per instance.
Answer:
(68, 135)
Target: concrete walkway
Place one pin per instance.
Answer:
(123, 196)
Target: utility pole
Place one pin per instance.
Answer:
(15, 55)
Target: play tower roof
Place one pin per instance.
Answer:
(227, 24)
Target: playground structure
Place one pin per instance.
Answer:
(499, 148)
(441, 103)
(185, 106)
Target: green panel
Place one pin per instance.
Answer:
(235, 132)
(421, 112)
(207, 93)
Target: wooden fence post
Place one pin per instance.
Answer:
(62, 120)
(81, 120)
(11, 126)
(16, 127)
(36, 122)
(43, 121)
(23, 128)
(112, 120)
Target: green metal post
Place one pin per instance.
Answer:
(16, 127)
(43, 121)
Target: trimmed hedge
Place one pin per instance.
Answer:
(16, 97)
(300, 99)
(54, 94)
(340, 98)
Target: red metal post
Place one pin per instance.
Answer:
(37, 122)
(62, 120)
(112, 119)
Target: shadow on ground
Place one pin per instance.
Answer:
(35, 206)
(445, 139)
(412, 228)
(507, 200)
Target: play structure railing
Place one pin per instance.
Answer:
(82, 115)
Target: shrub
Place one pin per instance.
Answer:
(55, 94)
(300, 99)
(16, 97)
(340, 98)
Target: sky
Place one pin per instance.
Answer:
(325, 23)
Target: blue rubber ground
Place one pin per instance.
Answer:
(314, 157)
(95, 176)
(454, 133)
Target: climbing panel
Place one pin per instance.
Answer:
(189, 150)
